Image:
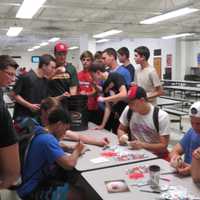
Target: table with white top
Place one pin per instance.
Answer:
(96, 179)
(181, 82)
(86, 161)
(183, 90)
(166, 102)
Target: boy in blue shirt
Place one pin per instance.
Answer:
(189, 142)
(43, 153)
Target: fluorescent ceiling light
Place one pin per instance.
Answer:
(14, 31)
(31, 49)
(73, 47)
(177, 35)
(169, 15)
(29, 8)
(36, 47)
(107, 33)
(54, 39)
(102, 40)
(44, 44)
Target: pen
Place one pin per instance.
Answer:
(165, 179)
(165, 173)
(151, 191)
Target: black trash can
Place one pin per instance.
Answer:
(77, 106)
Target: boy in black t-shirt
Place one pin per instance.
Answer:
(65, 81)
(9, 154)
(114, 89)
(31, 88)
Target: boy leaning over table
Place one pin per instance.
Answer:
(189, 144)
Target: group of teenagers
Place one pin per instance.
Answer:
(120, 99)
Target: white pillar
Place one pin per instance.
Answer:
(87, 43)
(183, 59)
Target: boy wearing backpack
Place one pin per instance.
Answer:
(41, 157)
(148, 127)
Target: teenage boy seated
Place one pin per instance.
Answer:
(143, 131)
(43, 154)
(115, 92)
(189, 142)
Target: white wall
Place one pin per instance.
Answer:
(167, 46)
(184, 54)
(25, 60)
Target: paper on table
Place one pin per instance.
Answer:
(99, 160)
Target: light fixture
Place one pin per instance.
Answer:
(178, 35)
(169, 15)
(14, 31)
(54, 39)
(31, 49)
(44, 44)
(102, 40)
(107, 33)
(73, 47)
(29, 8)
(36, 47)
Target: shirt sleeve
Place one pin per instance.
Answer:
(184, 142)
(119, 80)
(123, 118)
(19, 85)
(8, 135)
(74, 78)
(164, 123)
(52, 150)
(155, 79)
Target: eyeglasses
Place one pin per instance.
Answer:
(12, 74)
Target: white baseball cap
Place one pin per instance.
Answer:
(195, 109)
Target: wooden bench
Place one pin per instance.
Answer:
(178, 113)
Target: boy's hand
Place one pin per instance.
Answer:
(196, 153)
(185, 169)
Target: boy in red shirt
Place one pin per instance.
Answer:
(87, 86)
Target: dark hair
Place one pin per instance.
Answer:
(59, 115)
(45, 60)
(6, 61)
(97, 66)
(124, 51)
(49, 103)
(143, 51)
(87, 54)
(111, 52)
(98, 55)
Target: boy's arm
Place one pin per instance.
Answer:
(117, 97)
(122, 130)
(10, 165)
(106, 116)
(156, 147)
(69, 161)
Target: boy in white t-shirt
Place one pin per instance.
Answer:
(146, 76)
(142, 128)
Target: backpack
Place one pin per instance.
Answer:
(155, 119)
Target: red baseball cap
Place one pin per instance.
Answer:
(136, 92)
(60, 47)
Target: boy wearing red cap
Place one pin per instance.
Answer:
(65, 81)
(143, 133)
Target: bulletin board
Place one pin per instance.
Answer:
(157, 62)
